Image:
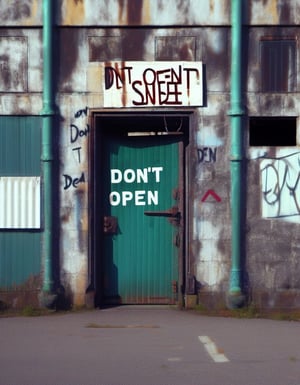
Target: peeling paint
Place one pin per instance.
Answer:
(22, 295)
(17, 12)
(13, 64)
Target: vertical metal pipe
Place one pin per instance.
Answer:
(236, 112)
(47, 155)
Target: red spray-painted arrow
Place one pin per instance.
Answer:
(213, 194)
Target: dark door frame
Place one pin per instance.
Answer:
(173, 122)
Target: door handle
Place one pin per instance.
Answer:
(173, 212)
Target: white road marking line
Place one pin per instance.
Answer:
(212, 349)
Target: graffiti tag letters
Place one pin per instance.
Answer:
(140, 84)
(280, 187)
(207, 155)
(77, 131)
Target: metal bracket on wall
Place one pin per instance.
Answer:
(110, 225)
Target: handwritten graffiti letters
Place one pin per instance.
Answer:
(78, 129)
(280, 186)
(207, 155)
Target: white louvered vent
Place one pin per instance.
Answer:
(20, 202)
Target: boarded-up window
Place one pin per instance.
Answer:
(278, 65)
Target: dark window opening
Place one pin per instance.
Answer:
(143, 125)
(278, 65)
(273, 131)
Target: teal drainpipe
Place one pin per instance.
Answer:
(235, 297)
(47, 114)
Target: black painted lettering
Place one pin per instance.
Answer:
(111, 75)
(188, 75)
(135, 87)
(80, 113)
(74, 132)
(73, 182)
(78, 150)
(68, 181)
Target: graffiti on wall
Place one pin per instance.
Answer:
(148, 84)
(280, 187)
(78, 129)
(211, 196)
(207, 154)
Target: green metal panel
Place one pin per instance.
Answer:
(20, 141)
(19, 257)
(141, 260)
(19, 156)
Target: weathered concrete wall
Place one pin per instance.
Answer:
(20, 75)
(272, 251)
(273, 12)
(20, 13)
(149, 13)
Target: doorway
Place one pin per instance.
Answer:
(139, 207)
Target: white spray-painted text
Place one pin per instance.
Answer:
(138, 176)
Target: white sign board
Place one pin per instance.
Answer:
(149, 84)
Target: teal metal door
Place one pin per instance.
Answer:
(141, 223)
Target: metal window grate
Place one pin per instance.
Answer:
(20, 202)
(278, 65)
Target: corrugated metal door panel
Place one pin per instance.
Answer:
(20, 258)
(141, 261)
(20, 143)
(20, 202)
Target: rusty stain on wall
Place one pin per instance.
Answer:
(134, 44)
(74, 12)
(13, 63)
(130, 12)
(35, 8)
(104, 48)
(21, 295)
(68, 56)
(269, 9)
(80, 286)
(175, 48)
(17, 12)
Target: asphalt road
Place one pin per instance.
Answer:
(147, 346)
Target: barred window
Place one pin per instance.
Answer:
(278, 65)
